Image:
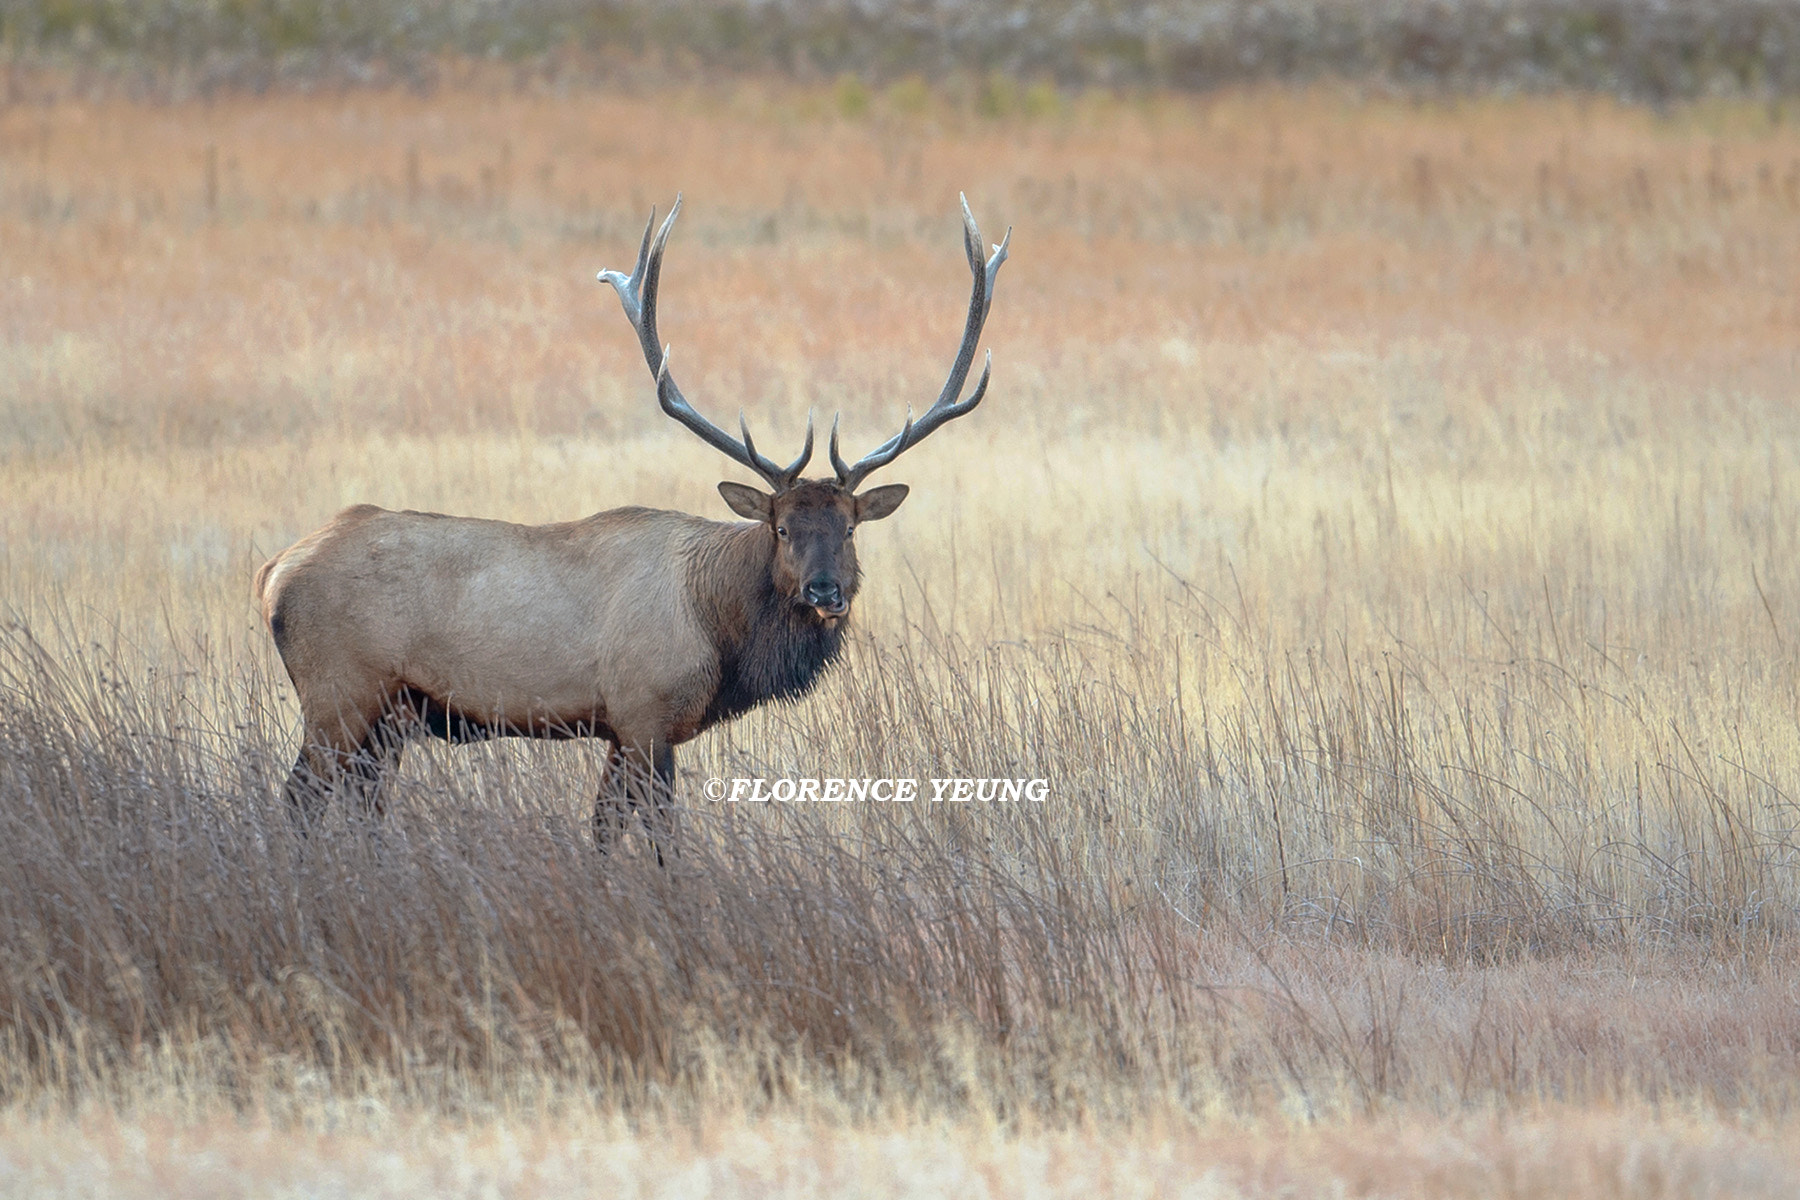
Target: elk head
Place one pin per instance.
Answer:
(812, 521)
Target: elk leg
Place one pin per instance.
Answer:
(332, 746)
(659, 814)
(630, 789)
(375, 762)
(305, 792)
(612, 802)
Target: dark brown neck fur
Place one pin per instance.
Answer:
(769, 647)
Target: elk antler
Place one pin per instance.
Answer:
(947, 408)
(637, 293)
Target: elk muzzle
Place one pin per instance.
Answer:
(826, 596)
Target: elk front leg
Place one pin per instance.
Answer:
(610, 805)
(659, 814)
(641, 783)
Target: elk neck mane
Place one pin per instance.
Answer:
(769, 648)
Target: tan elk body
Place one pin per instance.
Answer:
(636, 625)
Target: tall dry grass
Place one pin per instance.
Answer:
(1379, 534)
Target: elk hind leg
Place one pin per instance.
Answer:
(307, 789)
(375, 762)
(352, 749)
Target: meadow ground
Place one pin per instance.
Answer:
(1380, 534)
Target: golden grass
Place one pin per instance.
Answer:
(1379, 532)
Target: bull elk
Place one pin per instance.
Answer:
(636, 625)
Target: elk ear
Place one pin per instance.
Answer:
(747, 502)
(879, 503)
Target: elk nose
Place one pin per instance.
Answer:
(825, 593)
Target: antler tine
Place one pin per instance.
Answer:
(946, 407)
(794, 468)
(637, 295)
(837, 463)
(637, 291)
(780, 478)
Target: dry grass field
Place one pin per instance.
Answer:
(1381, 533)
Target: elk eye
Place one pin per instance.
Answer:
(781, 532)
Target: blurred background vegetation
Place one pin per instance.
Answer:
(1652, 50)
